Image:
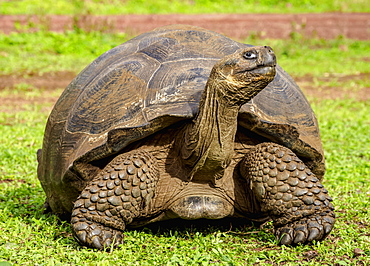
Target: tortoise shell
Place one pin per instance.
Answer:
(149, 83)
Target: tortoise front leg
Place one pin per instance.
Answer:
(289, 193)
(121, 192)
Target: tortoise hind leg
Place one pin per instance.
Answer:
(289, 193)
(121, 192)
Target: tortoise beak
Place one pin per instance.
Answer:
(266, 62)
(265, 70)
(266, 57)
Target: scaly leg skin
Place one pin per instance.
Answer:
(290, 193)
(122, 191)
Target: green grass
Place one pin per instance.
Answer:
(110, 7)
(45, 51)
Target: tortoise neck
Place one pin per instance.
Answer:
(208, 142)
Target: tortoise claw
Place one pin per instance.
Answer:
(286, 236)
(305, 230)
(299, 237)
(96, 235)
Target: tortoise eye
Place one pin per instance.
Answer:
(250, 55)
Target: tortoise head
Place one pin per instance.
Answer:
(240, 76)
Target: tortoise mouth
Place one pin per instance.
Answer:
(264, 70)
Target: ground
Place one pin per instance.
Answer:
(237, 26)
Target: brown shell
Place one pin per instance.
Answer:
(151, 82)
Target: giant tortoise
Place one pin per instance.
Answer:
(182, 122)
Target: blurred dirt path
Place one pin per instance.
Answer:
(237, 26)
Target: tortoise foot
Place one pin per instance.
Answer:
(315, 227)
(289, 193)
(96, 235)
(121, 192)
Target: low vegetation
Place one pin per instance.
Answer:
(44, 51)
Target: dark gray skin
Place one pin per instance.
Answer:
(206, 168)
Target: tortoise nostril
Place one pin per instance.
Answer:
(269, 49)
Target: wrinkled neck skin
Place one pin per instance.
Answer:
(208, 141)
